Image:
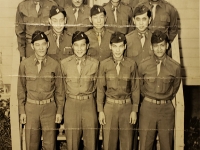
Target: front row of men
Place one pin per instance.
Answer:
(43, 85)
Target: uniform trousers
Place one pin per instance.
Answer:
(156, 118)
(117, 127)
(80, 120)
(40, 117)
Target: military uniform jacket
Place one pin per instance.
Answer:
(118, 87)
(28, 21)
(64, 50)
(83, 83)
(166, 19)
(40, 86)
(166, 84)
(134, 47)
(124, 17)
(82, 23)
(102, 51)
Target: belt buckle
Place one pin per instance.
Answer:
(158, 102)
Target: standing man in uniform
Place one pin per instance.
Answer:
(59, 37)
(164, 17)
(78, 16)
(160, 80)
(40, 95)
(80, 75)
(119, 16)
(139, 40)
(118, 83)
(99, 36)
(31, 15)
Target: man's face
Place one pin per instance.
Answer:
(141, 22)
(98, 20)
(118, 49)
(159, 49)
(58, 21)
(77, 3)
(115, 2)
(40, 47)
(80, 48)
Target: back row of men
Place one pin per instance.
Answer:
(34, 15)
(44, 83)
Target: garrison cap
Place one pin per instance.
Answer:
(96, 9)
(140, 9)
(56, 10)
(38, 35)
(117, 37)
(79, 35)
(158, 36)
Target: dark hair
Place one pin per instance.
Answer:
(79, 35)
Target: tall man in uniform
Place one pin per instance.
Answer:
(164, 17)
(119, 16)
(31, 15)
(40, 95)
(139, 40)
(80, 75)
(59, 37)
(118, 83)
(160, 80)
(99, 36)
(78, 16)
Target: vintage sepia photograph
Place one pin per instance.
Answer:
(99, 75)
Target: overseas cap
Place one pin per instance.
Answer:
(96, 9)
(140, 9)
(56, 10)
(158, 36)
(79, 35)
(118, 37)
(39, 35)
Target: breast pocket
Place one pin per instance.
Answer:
(68, 51)
(49, 81)
(150, 83)
(92, 52)
(111, 81)
(164, 19)
(167, 84)
(31, 81)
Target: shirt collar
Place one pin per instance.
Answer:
(55, 35)
(159, 3)
(113, 7)
(83, 59)
(101, 32)
(40, 2)
(141, 34)
(158, 60)
(81, 8)
(116, 61)
(37, 62)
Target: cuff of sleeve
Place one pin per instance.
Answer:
(60, 110)
(21, 110)
(100, 107)
(135, 108)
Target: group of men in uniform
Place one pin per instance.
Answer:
(100, 63)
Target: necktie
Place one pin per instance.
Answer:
(76, 13)
(79, 66)
(99, 38)
(154, 11)
(39, 65)
(158, 67)
(37, 7)
(118, 67)
(142, 39)
(115, 14)
(57, 40)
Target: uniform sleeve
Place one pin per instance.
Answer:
(177, 81)
(21, 88)
(135, 89)
(95, 79)
(174, 24)
(101, 83)
(59, 90)
(20, 32)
